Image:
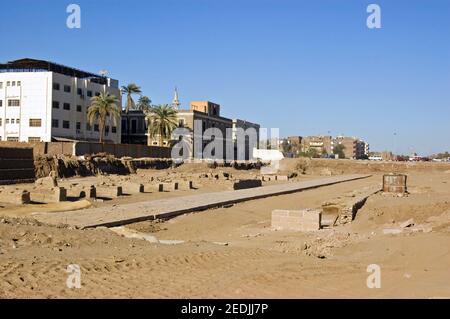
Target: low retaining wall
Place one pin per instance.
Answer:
(16, 165)
(83, 148)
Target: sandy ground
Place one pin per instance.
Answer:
(232, 252)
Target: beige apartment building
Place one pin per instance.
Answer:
(322, 144)
(353, 147)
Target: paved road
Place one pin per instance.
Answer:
(165, 208)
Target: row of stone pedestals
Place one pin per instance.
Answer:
(271, 178)
(130, 188)
(46, 191)
(43, 195)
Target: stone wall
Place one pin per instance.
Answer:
(83, 148)
(16, 165)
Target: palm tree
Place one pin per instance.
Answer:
(103, 108)
(144, 103)
(129, 91)
(162, 121)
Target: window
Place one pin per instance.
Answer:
(1, 120)
(19, 83)
(55, 105)
(67, 88)
(96, 129)
(1, 85)
(13, 102)
(79, 92)
(107, 129)
(8, 83)
(12, 139)
(88, 127)
(17, 121)
(78, 126)
(56, 86)
(89, 93)
(1, 103)
(0, 138)
(34, 139)
(13, 83)
(66, 124)
(35, 122)
(97, 93)
(66, 106)
(113, 129)
(55, 123)
(78, 108)
(12, 121)
(7, 121)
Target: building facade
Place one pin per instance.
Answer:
(134, 127)
(320, 144)
(44, 101)
(249, 141)
(204, 115)
(354, 148)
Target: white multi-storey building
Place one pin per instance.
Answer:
(44, 101)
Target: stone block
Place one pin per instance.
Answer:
(282, 178)
(80, 191)
(169, 187)
(17, 197)
(246, 183)
(132, 188)
(153, 187)
(185, 185)
(50, 195)
(109, 191)
(392, 231)
(48, 182)
(296, 220)
(268, 178)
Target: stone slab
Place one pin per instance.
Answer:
(296, 220)
(50, 195)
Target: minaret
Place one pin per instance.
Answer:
(176, 102)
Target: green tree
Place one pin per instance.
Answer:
(144, 104)
(443, 155)
(339, 150)
(286, 146)
(311, 153)
(103, 108)
(162, 121)
(130, 90)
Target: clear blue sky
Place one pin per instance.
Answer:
(307, 67)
